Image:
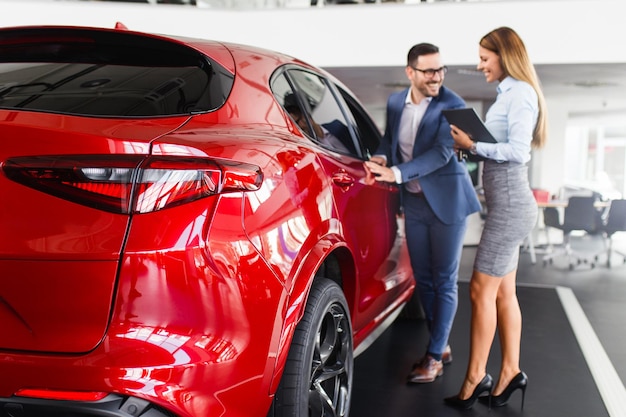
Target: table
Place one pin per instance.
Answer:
(556, 204)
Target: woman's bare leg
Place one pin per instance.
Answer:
(509, 331)
(484, 291)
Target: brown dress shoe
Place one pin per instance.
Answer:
(446, 357)
(426, 371)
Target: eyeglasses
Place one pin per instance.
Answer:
(430, 72)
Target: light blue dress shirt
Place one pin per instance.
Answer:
(511, 120)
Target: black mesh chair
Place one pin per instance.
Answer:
(615, 222)
(580, 214)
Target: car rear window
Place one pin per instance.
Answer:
(106, 74)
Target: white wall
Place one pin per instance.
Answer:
(548, 164)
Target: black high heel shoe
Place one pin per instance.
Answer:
(485, 385)
(520, 381)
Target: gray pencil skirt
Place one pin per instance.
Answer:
(511, 216)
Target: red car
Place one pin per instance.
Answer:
(187, 229)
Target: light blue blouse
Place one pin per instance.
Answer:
(511, 120)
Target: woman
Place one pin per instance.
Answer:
(517, 120)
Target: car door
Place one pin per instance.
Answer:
(367, 209)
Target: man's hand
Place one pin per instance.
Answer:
(379, 160)
(381, 173)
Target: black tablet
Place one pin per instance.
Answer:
(468, 121)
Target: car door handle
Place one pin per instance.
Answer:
(343, 179)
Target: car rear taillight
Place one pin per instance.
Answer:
(128, 184)
(61, 395)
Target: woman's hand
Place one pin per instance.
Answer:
(461, 139)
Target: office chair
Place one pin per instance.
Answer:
(615, 222)
(580, 214)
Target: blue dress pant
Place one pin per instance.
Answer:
(435, 252)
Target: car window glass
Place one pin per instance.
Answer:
(368, 134)
(286, 96)
(329, 124)
(114, 74)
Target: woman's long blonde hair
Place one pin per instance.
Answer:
(507, 44)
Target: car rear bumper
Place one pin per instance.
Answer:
(111, 406)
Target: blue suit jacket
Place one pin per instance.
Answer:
(445, 181)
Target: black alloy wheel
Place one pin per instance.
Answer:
(317, 380)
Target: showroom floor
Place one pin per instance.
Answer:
(573, 330)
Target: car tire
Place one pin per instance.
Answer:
(317, 380)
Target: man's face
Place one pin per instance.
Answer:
(426, 75)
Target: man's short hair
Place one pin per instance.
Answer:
(420, 49)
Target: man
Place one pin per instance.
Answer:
(437, 195)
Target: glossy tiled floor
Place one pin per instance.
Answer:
(565, 312)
